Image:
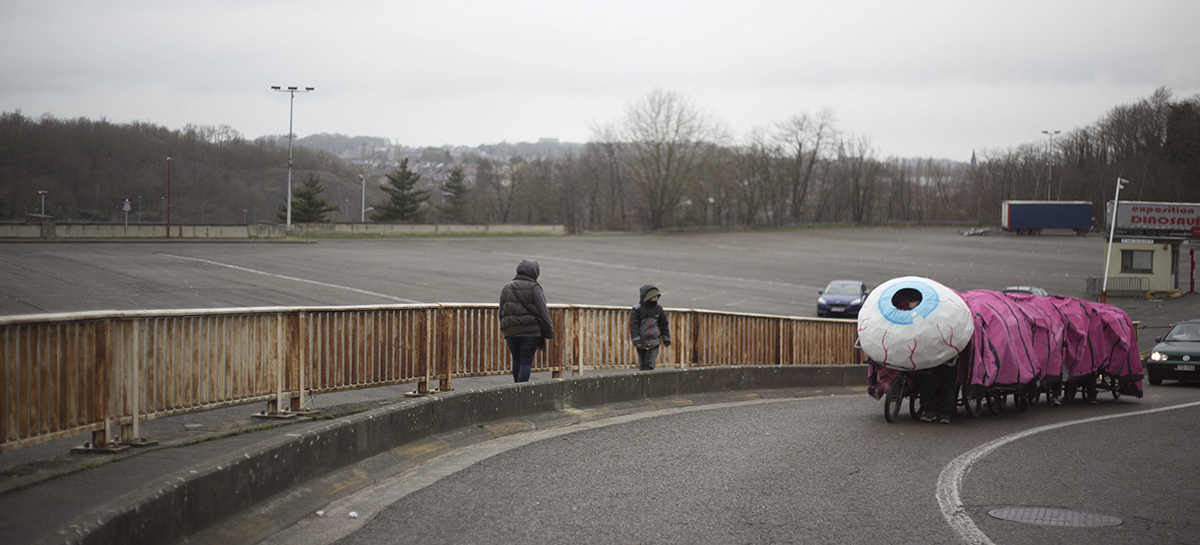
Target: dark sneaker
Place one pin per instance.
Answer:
(927, 417)
(1054, 402)
(943, 420)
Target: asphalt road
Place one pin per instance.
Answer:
(769, 272)
(775, 272)
(807, 470)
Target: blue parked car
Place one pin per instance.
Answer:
(842, 297)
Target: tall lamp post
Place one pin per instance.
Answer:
(43, 194)
(1111, 229)
(291, 107)
(363, 208)
(168, 198)
(1050, 170)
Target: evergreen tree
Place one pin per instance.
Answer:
(308, 205)
(404, 205)
(455, 191)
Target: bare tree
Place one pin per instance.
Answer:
(862, 171)
(805, 140)
(606, 152)
(500, 184)
(667, 140)
(755, 176)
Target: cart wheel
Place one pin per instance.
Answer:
(993, 404)
(1021, 400)
(1116, 389)
(914, 405)
(1034, 397)
(973, 405)
(893, 398)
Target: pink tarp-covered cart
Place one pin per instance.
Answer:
(1024, 344)
(1017, 345)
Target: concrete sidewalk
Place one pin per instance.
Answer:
(289, 468)
(44, 487)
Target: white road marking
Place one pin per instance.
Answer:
(950, 480)
(305, 280)
(662, 271)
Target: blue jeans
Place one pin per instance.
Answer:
(523, 350)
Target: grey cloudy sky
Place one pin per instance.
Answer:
(919, 78)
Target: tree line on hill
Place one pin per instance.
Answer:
(665, 164)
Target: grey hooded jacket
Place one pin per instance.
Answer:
(648, 324)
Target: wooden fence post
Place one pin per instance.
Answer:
(443, 347)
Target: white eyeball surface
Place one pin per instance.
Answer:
(936, 327)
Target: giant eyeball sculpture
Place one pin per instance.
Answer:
(913, 323)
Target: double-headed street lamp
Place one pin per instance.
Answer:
(291, 91)
(1050, 171)
(1111, 229)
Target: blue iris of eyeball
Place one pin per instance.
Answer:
(913, 323)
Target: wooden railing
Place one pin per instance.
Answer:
(106, 372)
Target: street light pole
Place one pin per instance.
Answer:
(168, 197)
(1050, 171)
(43, 194)
(363, 208)
(291, 107)
(1111, 229)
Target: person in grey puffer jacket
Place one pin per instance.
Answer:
(524, 318)
(648, 327)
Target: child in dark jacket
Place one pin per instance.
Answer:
(648, 327)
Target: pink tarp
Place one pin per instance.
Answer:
(1020, 339)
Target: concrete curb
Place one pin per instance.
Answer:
(194, 498)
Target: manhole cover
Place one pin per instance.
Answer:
(1053, 517)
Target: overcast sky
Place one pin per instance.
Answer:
(919, 78)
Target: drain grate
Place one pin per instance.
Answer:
(1053, 517)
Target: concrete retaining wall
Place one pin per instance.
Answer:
(197, 497)
(49, 229)
(386, 229)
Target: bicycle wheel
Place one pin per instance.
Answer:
(973, 405)
(914, 404)
(893, 398)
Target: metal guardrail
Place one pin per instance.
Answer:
(106, 372)
(1121, 285)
